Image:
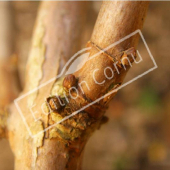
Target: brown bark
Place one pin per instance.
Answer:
(57, 27)
(115, 21)
(61, 147)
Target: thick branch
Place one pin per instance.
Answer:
(76, 130)
(116, 20)
(62, 146)
(56, 38)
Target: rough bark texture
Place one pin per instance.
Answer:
(55, 39)
(57, 27)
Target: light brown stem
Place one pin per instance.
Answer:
(92, 117)
(116, 20)
(56, 38)
(62, 146)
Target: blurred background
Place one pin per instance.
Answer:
(137, 136)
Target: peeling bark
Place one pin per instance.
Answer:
(61, 147)
(57, 27)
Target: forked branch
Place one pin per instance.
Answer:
(61, 147)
